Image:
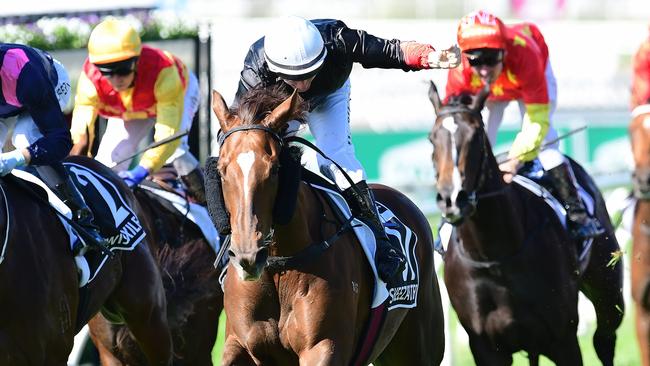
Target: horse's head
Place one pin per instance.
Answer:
(639, 131)
(461, 151)
(249, 165)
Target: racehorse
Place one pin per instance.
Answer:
(313, 312)
(511, 269)
(42, 307)
(194, 298)
(639, 131)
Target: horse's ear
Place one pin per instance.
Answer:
(221, 110)
(481, 97)
(281, 114)
(434, 97)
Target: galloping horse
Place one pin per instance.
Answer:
(42, 307)
(194, 298)
(639, 131)
(511, 269)
(316, 311)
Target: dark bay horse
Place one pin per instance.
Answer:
(639, 131)
(511, 269)
(40, 306)
(194, 297)
(314, 313)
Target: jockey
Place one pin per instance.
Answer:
(514, 61)
(136, 87)
(35, 88)
(316, 58)
(641, 75)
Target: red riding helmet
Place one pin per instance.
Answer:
(481, 29)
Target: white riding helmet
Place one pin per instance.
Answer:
(294, 48)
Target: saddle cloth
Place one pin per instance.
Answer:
(403, 290)
(194, 212)
(116, 220)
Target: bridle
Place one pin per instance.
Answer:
(474, 196)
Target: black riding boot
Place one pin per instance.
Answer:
(389, 260)
(195, 185)
(81, 214)
(580, 224)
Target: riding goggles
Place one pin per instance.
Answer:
(120, 68)
(488, 57)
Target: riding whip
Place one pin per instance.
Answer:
(543, 146)
(153, 145)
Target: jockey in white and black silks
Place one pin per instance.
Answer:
(137, 88)
(315, 58)
(514, 60)
(35, 89)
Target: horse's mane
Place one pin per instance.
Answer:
(261, 100)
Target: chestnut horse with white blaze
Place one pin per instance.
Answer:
(316, 312)
(639, 131)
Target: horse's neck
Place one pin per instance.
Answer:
(303, 229)
(497, 226)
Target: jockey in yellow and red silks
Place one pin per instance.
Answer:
(137, 88)
(514, 60)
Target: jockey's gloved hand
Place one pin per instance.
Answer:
(444, 59)
(10, 160)
(134, 176)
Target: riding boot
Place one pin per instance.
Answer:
(81, 214)
(195, 185)
(389, 260)
(580, 224)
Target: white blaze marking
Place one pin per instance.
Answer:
(450, 125)
(245, 161)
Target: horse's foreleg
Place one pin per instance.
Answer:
(643, 334)
(603, 285)
(141, 300)
(102, 336)
(322, 354)
(485, 355)
(235, 355)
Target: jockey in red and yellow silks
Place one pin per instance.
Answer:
(523, 78)
(136, 87)
(641, 75)
(514, 61)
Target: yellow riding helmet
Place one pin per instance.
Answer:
(113, 40)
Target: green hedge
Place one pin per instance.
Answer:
(70, 33)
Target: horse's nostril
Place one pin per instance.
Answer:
(439, 197)
(231, 254)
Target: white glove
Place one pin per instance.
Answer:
(444, 59)
(10, 160)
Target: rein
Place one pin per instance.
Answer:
(4, 245)
(277, 264)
